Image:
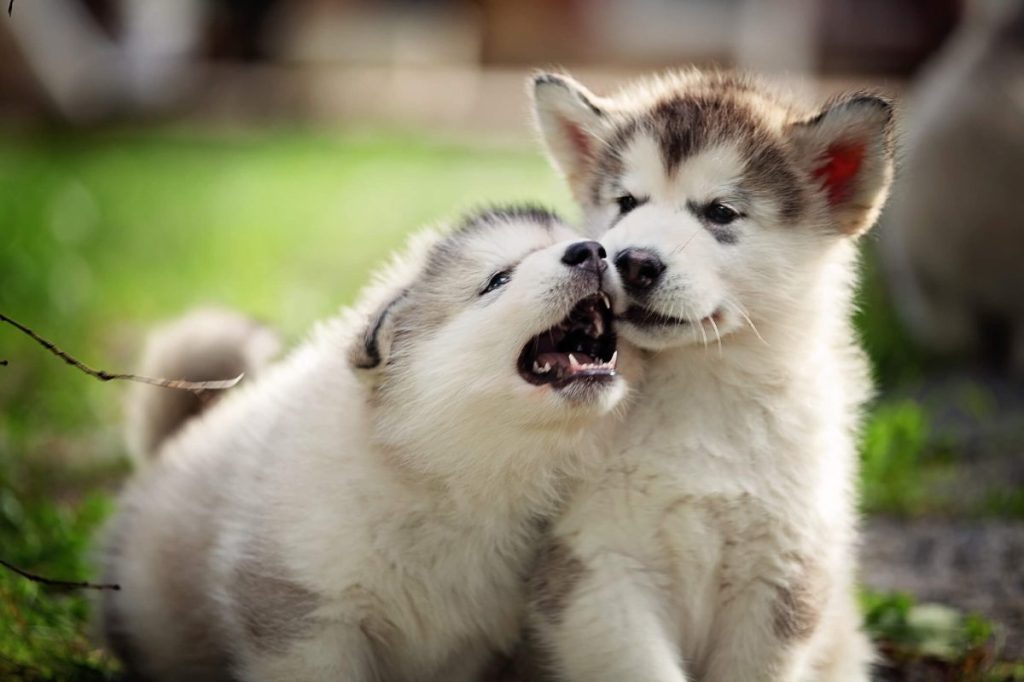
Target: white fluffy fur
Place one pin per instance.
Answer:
(719, 543)
(328, 523)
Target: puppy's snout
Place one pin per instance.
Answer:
(640, 269)
(588, 255)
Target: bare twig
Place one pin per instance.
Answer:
(62, 584)
(10, 7)
(3, 363)
(194, 386)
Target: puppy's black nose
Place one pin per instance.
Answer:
(640, 269)
(587, 255)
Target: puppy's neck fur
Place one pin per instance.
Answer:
(517, 468)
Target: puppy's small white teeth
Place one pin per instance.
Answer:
(614, 361)
(607, 301)
(547, 367)
(598, 326)
(574, 363)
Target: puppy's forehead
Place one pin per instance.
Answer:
(492, 239)
(728, 134)
(710, 171)
(507, 240)
(685, 124)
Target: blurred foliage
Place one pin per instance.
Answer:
(910, 466)
(893, 446)
(1005, 502)
(934, 642)
(895, 357)
(43, 629)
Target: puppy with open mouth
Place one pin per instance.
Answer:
(368, 508)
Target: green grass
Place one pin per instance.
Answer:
(934, 642)
(894, 450)
(910, 466)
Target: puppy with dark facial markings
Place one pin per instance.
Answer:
(719, 542)
(366, 510)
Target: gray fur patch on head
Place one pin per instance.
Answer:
(451, 253)
(503, 215)
(799, 604)
(769, 174)
(703, 112)
(273, 609)
(557, 573)
(685, 124)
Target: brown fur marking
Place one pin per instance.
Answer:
(273, 609)
(557, 573)
(798, 606)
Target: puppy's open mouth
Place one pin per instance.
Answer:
(580, 347)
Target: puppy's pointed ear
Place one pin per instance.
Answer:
(371, 349)
(570, 119)
(848, 151)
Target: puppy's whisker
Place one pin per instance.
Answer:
(718, 336)
(699, 325)
(743, 313)
(684, 244)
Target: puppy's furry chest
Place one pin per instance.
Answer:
(706, 533)
(717, 496)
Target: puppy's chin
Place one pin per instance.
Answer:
(649, 340)
(591, 397)
(653, 331)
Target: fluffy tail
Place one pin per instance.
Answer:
(203, 345)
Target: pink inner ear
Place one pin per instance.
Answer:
(578, 138)
(839, 169)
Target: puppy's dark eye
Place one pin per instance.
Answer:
(720, 214)
(627, 202)
(499, 280)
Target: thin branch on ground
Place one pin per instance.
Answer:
(194, 386)
(10, 7)
(62, 584)
(3, 363)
